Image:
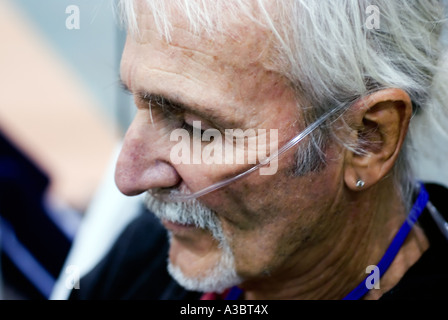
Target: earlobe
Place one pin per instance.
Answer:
(380, 123)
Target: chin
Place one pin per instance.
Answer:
(213, 271)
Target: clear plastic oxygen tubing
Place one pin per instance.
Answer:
(175, 196)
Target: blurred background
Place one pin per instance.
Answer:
(62, 117)
(62, 114)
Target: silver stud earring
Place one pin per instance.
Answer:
(360, 184)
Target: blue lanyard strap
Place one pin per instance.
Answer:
(417, 209)
(234, 294)
(361, 290)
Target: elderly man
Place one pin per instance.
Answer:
(327, 89)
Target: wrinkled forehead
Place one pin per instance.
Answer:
(232, 34)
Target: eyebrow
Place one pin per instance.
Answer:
(173, 103)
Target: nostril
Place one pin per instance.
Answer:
(133, 179)
(173, 187)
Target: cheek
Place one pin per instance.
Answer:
(267, 249)
(265, 229)
(262, 231)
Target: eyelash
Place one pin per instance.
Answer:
(172, 116)
(190, 128)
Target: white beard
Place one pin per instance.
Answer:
(223, 274)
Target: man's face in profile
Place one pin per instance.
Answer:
(264, 224)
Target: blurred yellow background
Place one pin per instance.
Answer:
(46, 106)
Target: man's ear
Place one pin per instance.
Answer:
(381, 122)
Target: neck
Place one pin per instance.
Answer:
(332, 268)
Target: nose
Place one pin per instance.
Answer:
(143, 162)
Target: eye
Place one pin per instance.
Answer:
(192, 128)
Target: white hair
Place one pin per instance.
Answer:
(331, 58)
(221, 275)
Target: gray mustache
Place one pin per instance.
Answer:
(191, 212)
